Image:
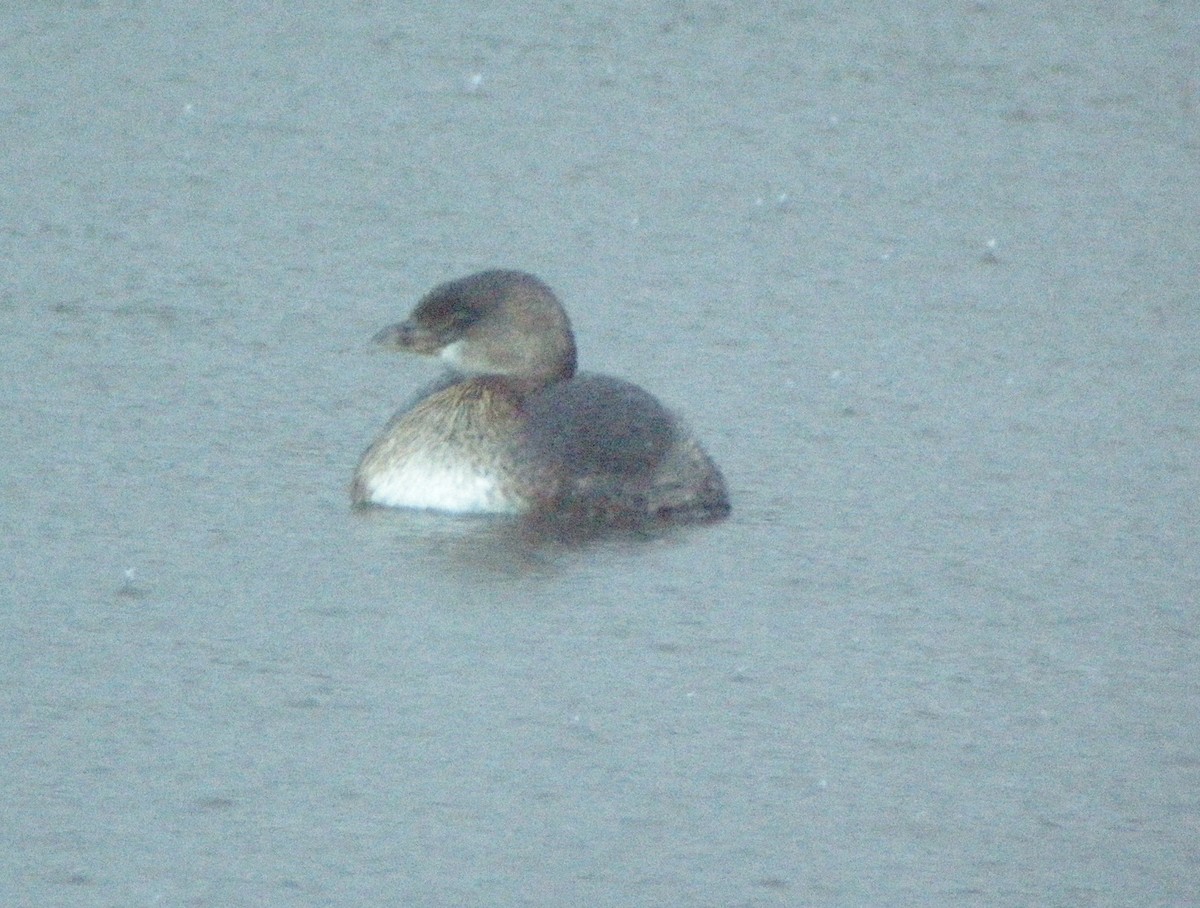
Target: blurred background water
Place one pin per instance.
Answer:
(922, 276)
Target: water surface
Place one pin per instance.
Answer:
(923, 279)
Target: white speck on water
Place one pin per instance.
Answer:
(781, 199)
(130, 588)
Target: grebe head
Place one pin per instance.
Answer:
(491, 323)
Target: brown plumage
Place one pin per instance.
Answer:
(515, 430)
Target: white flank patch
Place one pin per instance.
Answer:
(454, 488)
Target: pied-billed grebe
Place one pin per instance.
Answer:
(513, 429)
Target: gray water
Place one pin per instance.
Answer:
(924, 278)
